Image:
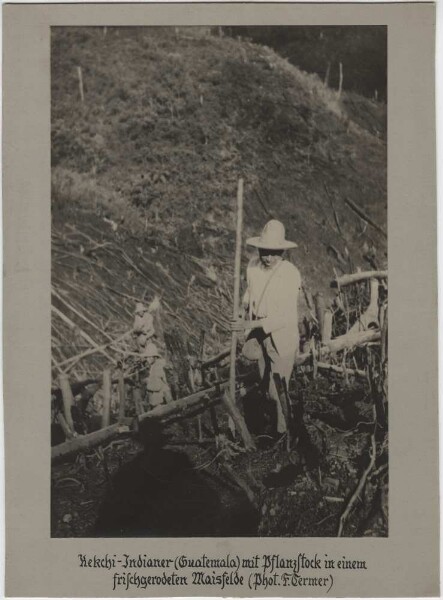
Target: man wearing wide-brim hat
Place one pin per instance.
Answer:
(271, 305)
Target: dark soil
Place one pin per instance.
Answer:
(174, 486)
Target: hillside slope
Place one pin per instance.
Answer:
(145, 172)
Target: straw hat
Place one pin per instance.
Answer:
(151, 350)
(272, 237)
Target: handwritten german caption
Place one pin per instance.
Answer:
(257, 572)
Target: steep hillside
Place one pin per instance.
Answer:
(145, 172)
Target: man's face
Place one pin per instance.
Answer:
(270, 258)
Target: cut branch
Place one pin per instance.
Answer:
(360, 486)
(75, 359)
(85, 442)
(350, 340)
(84, 335)
(356, 277)
(364, 216)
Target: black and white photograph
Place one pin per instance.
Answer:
(219, 282)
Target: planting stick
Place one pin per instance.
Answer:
(236, 286)
(229, 399)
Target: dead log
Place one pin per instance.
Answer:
(180, 406)
(86, 442)
(350, 340)
(202, 399)
(356, 277)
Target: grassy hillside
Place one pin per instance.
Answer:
(145, 173)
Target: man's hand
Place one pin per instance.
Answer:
(242, 324)
(238, 325)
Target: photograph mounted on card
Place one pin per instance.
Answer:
(198, 281)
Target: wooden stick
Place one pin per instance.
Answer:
(284, 404)
(237, 266)
(68, 399)
(121, 396)
(78, 313)
(216, 359)
(319, 302)
(66, 429)
(356, 277)
(238, 420)
(359, 338)
(107, 392)
(359, 488)
(350, 340)
(339, 370)
(80, 83)
(364, 216)
(75, 359)
(203, 397)
(340, 80)
(138, 402)
(84, 335)
(327, 326)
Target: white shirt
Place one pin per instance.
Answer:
(275, 302)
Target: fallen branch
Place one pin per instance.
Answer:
(360, 486)
(364, 216)
(350, 340)
(85, 442)
(339, 370)
(346, 341)
(356, 277)
(216, 359)
(203, 397)
(78, 313)
(84, 335)
(75, 359)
